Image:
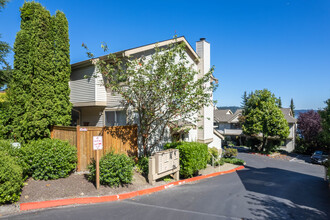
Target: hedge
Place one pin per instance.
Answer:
(49, 158)
(115, 169)
(193, 157)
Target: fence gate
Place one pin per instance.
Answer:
(119, 139)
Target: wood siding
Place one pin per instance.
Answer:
(117, 139)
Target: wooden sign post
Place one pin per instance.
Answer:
(97, 145)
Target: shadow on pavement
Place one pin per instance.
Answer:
(276, 209)
(300, 189)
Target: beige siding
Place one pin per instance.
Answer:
(100, 91)
(82, 90)
(113, 100)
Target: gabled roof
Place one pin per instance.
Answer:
(288, 115)
(236, 114)
(135, 50)
(222, 115)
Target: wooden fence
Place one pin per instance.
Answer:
(119, 139)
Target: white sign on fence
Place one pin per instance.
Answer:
(97, 143)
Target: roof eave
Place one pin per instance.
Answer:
(132, 51)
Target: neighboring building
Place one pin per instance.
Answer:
(227, 123)
(94, 105)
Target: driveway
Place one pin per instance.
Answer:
(267, 189)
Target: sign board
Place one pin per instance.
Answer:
(97, 142)
(83, 129)
(16, 145)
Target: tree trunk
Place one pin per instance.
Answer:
(264, 143)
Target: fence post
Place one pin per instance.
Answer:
(52, 132)
(78, 147)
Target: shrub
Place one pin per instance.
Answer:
(230, 152)
(215, 153)
(219, 162)
(273, 145)
(11, 178)
(143, 165)
(233, 161)
(49, 158)
(253, 143)
(193, 157)
(16, 153)
(115, 169)
(5, 145)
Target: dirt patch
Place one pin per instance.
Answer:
(75, 186)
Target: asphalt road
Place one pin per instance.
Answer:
(267, 189)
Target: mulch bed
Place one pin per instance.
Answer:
(75, 186)
(278, 156)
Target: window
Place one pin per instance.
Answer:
(115, 118)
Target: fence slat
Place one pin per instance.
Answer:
(119, 139)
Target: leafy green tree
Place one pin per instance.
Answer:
(264, 118)
(160, 89)
(38, 92)
(292, 107)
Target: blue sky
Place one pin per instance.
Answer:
(281, 45)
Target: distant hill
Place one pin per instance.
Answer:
(299, 111)
(234, 108)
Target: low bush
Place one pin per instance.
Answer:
(143, 165)
(115, 170)
(11, 178)
(215, 153)
(49, 158)
(233, 161)
(16, 153)
(193, 157)
(253, 143)
(219, 162)
(229, 152)
(5, 145)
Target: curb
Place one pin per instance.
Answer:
(266, 155)
(91, 200)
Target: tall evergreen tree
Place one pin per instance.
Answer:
(39, 109)
(292, 107)
(279, 102)
(34, 104)
(62, 69)
(244, 100)
(4, 50)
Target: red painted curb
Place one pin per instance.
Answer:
(89, 200)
